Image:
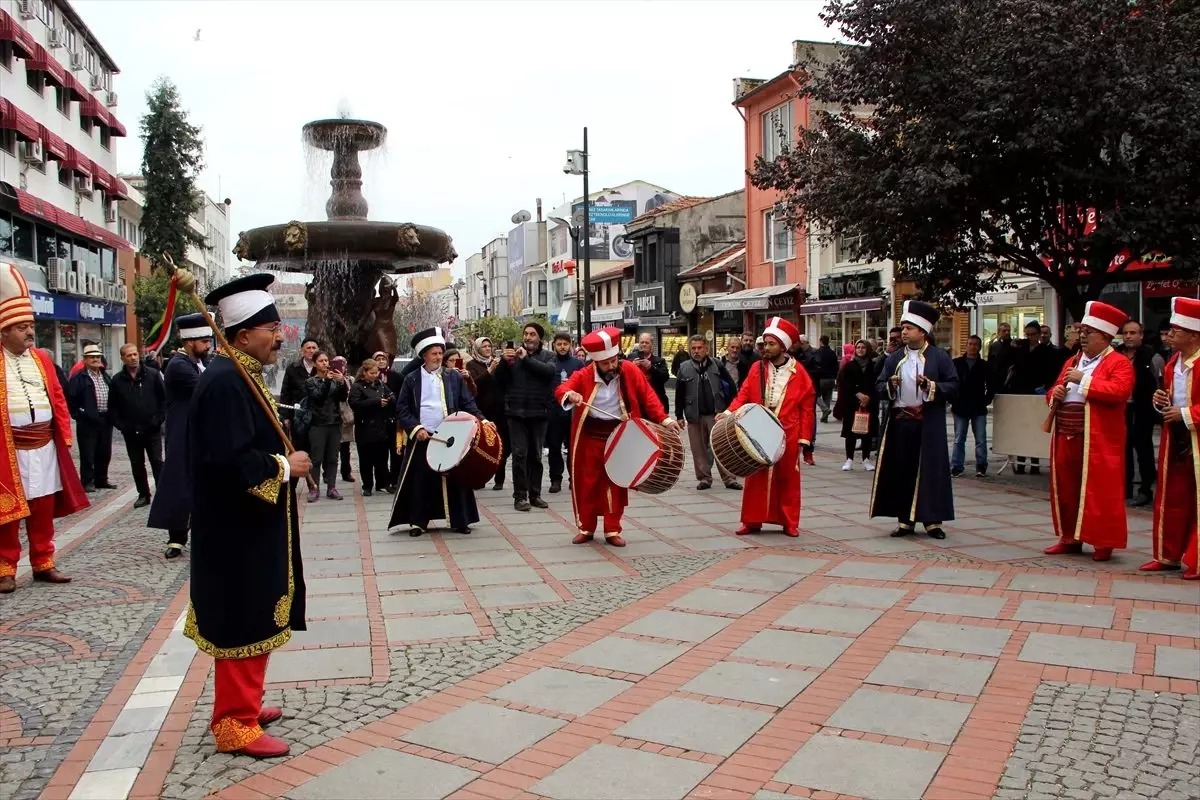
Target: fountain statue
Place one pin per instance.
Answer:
(351, 297)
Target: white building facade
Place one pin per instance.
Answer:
(494, 277)
(847, 298)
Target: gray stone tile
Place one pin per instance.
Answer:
(1177, 662)
(763, 794)
(319, 665)
(1054, 584)
(997, 552)
(725, 601)
(925, 718)
(653, 547)
(973, 523)
(1074, 651)
(1084, 614)
(870, 570)
(1169, 623)
(958, 540)
(953, 576)
(333, 566)
(882, 545)
(795, 565)
(1019, 534)
(422, 603)
(528, 594)
(444, 626)
(336, 605)
(498, 575)
(718, 543)
(696, 531)
(419, 580)
(829, 618)
(123, 752)
(315, 586)
(385, 774)
(568, 554)
(860, 768)
(768, 686)
(695, 725)
(957, 638)
(1185, 593)
(136, 720)
(572, 572)
(484, 732)
(332, 550)
(792, 647)
(332, 631)
(846, 594)
(561, 690)
(489, 558)
(678, 625)
(958, 605)
(626, 655)
(604, 772)
(757, 579)
(409, 563)
(840, 533)
(934, 673)
(476, 543)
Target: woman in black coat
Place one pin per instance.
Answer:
(855, 391)
(323, 392)
(374, 408)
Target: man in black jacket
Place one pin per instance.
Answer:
(558, 433)
(294, 378)
(975, 393)
(1000, 355)
(1140, 414)
(529, 376)
(653, 367)
(746, 356)
(137, 404)
(87, 393)
(825, 367)
(698, 400)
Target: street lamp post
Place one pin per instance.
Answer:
(577, 164)
(573, 230)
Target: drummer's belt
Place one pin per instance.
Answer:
(598, 428)
(1068, 419)
(1181, 443)
(32, 437)
(908, 412)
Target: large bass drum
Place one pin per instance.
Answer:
(748, 440)
(643, 456)
(466, 450)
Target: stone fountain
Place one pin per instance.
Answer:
(351, 297)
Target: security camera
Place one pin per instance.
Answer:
(567, 168)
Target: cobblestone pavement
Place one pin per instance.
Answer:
(826, 663)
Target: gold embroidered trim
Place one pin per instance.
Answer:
(192, 631)
(232, 734)
(268, 490)
(254, 369)
(7, 570)
(283, 606)
(43, 564)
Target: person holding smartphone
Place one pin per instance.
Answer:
(324, 391)
(529, 377)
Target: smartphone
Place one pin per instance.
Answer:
(509, 346)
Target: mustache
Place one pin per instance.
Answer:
(278, 346)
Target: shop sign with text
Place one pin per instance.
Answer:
(838, 287)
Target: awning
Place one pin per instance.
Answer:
(91, 107)
(73, 223)
(102, 179)
(37, 207)
(115, 126)
(14, 119)
(44, 62)
(609, 315)
(710, 300)
(839, 306)
(75, 88)
(567, 312)
(120, 190)
(753, 299)
(52, 144)
(105, 236)
(77, 161)
(22, 40)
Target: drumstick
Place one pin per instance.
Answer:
(608, 414)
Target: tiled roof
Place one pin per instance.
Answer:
(608, 272)
(724, 261)
(678, 204)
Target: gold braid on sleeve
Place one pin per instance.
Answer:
(268, 490)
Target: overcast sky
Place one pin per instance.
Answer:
(481, 99)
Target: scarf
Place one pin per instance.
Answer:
(476, 355)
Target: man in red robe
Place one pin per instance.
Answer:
(602, 394)
(38, 481)
(1087, 444)
(1176, 501)
(780, 383)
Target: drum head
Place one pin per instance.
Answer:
(764, 430)
(459, 430)
(631, 453)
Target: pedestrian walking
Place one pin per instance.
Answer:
(489, 397)
(137, 403)
(373, 405)
(912, 481)
(732, 363)
(825, 365)
(1140, 414)
(528, 378)
(88, 394)
(340, 364)
(324, 391)
(700, 395)
(858, 405)
(975, 393)
(558, 431)
(1087, 440)
(171, 509)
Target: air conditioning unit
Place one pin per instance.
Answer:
(56, 273)
(120, 274)
(26, 9)
(83, 184)
(110, 212)
(31, 153)
(76, 61)
(58, 38)
(97, 83)
(110, 99)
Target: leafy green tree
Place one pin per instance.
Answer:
(172, 158)
(500, 330)
(970, 140)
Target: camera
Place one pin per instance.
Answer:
(567, 168)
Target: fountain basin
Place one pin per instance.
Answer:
(344, 134)
(396, 247)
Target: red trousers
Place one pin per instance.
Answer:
(39, 527)
(237, 701)
(1175, 516)
(594, 495)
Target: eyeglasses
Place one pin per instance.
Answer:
(272, 328)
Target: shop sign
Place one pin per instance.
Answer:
(996, 299)
(1177, 287)
(727, 321)
(648, 301)
(837, 287)
(652, 322)
(67, 276)
(687, 298)
(782, 302)
(74, 309)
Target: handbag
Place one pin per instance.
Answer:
(862, 423)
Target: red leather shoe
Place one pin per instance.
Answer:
(265, 746)
(583, 537)
(1191, 576)
(51, 576)
(745, 530)
(1063, 547)
(268, 714)
(808, 459)
(1156, 566)
(793, 532)
(616, 540)
(1102, 554)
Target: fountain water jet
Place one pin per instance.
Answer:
(347, 254)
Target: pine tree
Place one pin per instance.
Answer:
(171, 161)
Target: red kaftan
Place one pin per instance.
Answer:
(773, 495)
(1176, 503)
(1084, 469)
(593, 495)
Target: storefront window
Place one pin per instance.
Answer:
(95, 333)
(1015, 316)
(64, 248)
(47, 245)
(68, 344)
(672, 342)
(877, 326)
(108, 265)
(831, 326)
(5, 232)
(22, 238)
(46, 335)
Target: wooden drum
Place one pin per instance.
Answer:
(643, 456)
(469, 451)
(748, 440)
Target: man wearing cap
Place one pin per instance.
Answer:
(88, 393)
(1087, 439)
(172, 506)
(247, 578)
(782, 384)
(1176, 501)
(528, 375)
(427, 396)
(38, 481)
(912, 469)
(608, 390)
